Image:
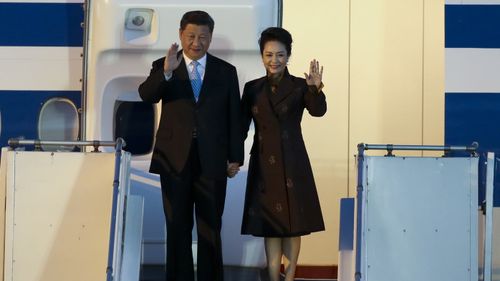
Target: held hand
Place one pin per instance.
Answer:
(315, 74)
(171, 60)
(233, 169)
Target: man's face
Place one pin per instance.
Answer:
(195, 40)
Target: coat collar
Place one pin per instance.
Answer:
(285, 88)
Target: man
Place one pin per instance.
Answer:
(198, 144)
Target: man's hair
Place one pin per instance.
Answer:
(276, 34)
(198, 18)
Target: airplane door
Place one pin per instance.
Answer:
(123, 37)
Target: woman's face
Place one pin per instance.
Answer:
(274, 57)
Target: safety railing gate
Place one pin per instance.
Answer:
(66, 214)
(415, 218)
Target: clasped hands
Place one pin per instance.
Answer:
(233, 169)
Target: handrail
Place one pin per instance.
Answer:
(85, 62)
(118, 144)
(391, 147)
(110, 269)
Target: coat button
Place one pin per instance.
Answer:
(260, 137)
(284, 109)
(272, 160)
(289, 183)
(255, 109)
(278, 208)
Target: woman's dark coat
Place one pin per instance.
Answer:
(281, 198)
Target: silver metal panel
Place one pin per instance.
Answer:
(121, 218)
(420, 219)
(58, 215)
(58, 212)
(132, 244)
(495, 253)
(488, 228)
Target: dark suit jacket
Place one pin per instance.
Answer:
(216, 117)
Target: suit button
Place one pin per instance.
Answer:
(284, 109)
(260, 137)
(255, 109)
(284, 135)
(289, 183)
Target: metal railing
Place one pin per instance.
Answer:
(391, 147)
(119, 144)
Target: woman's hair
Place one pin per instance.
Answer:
(276, 34)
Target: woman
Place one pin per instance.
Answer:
(281, 202)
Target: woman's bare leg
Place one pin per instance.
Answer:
(291, 249)
(273, 255)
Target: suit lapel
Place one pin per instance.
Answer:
(208, 79)
(181, 74)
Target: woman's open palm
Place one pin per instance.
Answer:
(315, 75)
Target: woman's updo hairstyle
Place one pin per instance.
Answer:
(276, 34)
